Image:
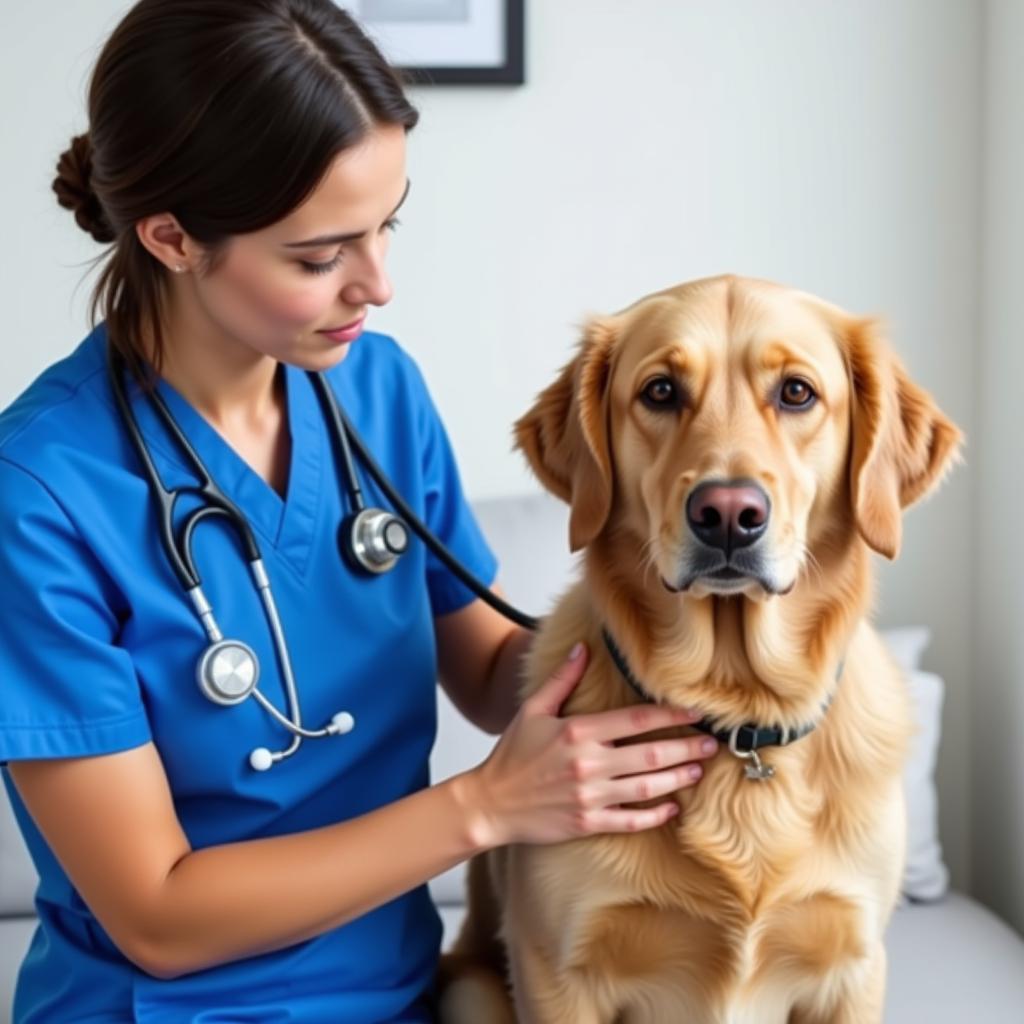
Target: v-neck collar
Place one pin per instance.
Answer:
(287, 523)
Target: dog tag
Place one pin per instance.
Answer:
(755, 768)
(758, 770)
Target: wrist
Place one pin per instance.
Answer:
(481, 831)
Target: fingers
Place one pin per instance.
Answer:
(548, 700)
(623, 776)
(614, 819)
(593, 777)
(607, 793)
(605, 726)
(648, 757)
(639, 788)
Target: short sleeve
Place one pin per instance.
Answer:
(66, 688)
(448, 513)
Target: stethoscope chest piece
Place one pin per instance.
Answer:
(228, 672)
(373, 540)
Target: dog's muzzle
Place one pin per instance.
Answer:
(727, 519)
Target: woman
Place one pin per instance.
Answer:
(245, 161)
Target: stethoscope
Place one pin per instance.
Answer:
(371, 541)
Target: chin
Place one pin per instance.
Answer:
(755, 588)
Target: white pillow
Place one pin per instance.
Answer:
(907, 645)
(926, 876)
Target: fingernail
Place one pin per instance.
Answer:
(696, 771)
(709, 746)
(691, 713)
(576, 652)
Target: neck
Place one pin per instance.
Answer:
(230, 384)
(771, 660)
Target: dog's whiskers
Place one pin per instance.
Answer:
(810, 561)
(648, 558)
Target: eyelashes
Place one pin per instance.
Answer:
(321, 268)
(327, 267)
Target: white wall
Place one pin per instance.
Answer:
(998, 679)
(832, 145)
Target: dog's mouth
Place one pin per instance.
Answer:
(725, 580)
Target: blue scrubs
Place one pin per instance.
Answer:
(98, 649)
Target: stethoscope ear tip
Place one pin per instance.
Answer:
(341, 723)
(261, 759)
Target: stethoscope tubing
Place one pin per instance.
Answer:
(179, 553)
(423, 532)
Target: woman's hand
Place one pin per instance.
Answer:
(549, 779)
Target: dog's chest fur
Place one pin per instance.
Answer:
(758, 887)
(740, 899)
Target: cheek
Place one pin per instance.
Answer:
(651, 471)
(284, 296)
(818, 473)
(300, 305)
(827, 457)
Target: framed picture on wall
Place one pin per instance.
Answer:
(448, 42)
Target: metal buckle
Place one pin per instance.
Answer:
(758, 771)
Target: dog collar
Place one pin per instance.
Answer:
(743, 741)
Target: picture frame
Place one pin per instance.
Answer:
(448, 42)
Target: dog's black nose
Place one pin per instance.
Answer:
(728, 515)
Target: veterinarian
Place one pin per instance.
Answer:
(216, 735)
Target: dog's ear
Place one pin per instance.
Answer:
(902, 444)
(565, 435)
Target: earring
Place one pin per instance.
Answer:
(178, 268)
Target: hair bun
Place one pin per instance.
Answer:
(74, 191)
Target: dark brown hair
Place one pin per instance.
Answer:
(226, 113)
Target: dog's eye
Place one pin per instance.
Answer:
(660, 393)
(796, 393)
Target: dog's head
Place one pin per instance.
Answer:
(730, 425)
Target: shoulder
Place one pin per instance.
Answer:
(62, 411)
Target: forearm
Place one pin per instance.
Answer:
(499, 701)
(239, 900)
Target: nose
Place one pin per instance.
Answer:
(728, 515)
(369, 285)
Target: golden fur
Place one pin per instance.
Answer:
(762, 901)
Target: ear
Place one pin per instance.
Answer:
(565, 435)
(902, 444)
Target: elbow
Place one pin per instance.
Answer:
(158, 970)
(154, 953)
(153, 959)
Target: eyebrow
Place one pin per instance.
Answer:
(777, 354)
(351, 237)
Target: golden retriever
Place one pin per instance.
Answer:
(731, 451)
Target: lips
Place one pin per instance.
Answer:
(727, 580)
(346, 327)
(341, 335)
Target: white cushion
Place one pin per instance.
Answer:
(952, 961)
